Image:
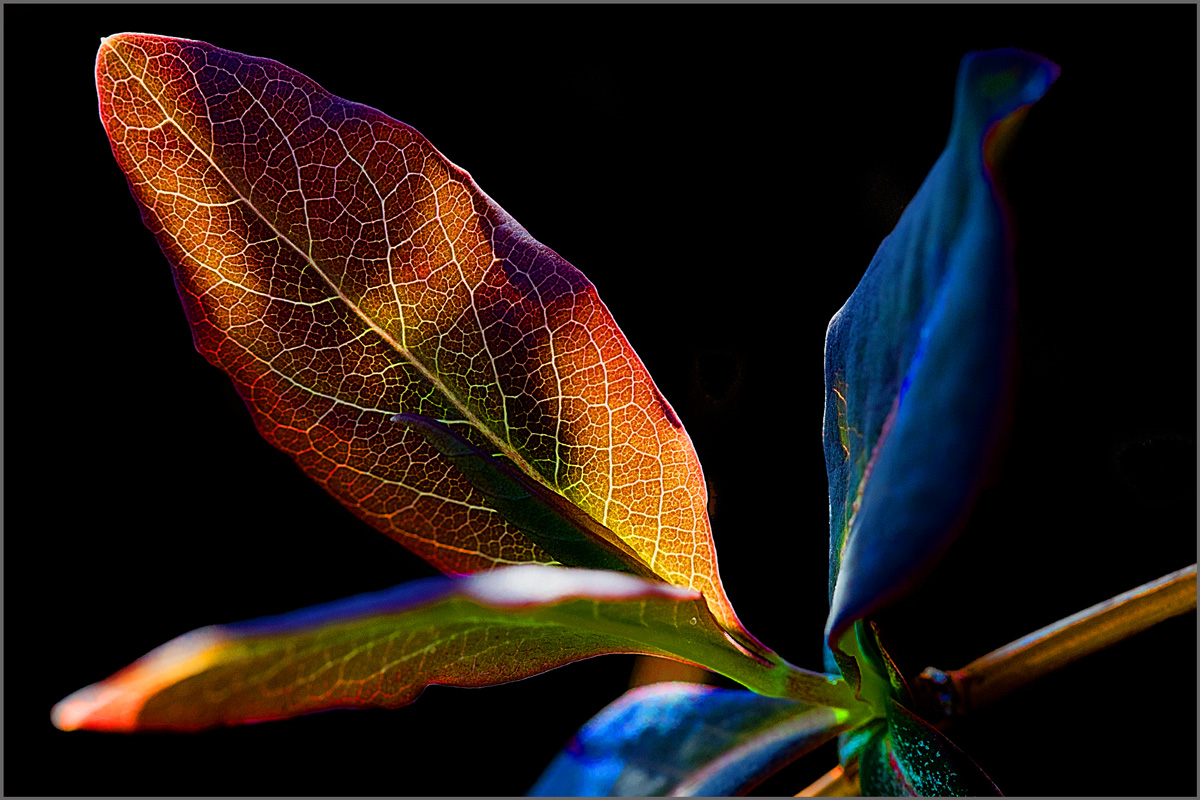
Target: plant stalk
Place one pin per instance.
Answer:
(776, 677)
(835, 783)
(945, 696)
(994, 675)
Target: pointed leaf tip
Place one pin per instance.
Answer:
(992, 84)
(114, 704)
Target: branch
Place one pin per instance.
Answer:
(954, 694)
(835, 783)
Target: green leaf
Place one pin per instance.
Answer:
(906, 757)
(899, 754)
(382, 649)
(686, 739)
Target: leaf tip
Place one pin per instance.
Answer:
(115, 703)
(93, 707)
(111, 39)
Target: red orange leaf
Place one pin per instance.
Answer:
(341, 270)
(550, 521)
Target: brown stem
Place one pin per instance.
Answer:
(1030, 657)
(835, 783)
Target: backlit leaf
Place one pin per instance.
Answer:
(549, 520)
(687, 739)
(382, 649)
(341, 271)
(918, 360)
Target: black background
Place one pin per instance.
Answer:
(723, 175)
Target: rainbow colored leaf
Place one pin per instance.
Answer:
(908, 758)
(684, 739)
(382, 649)
(918, 360)
(341, 271)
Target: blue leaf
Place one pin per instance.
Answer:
(918, 360)
(686, 739)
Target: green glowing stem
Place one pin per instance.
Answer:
(703, 642)
(816, 687)
(1001, 671)
(772, 676)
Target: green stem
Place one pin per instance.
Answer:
(817, 687)
(702, 641)
(1001, 671)
(768, 674)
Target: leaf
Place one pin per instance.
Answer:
(382, 649)
(917, 361)
(550, 521)
(899, 754)
(687, 739)
(908, 758)
(341, 270)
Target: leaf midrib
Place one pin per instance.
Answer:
(504, 446)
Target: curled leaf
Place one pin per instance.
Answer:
(917, 361)
(341, 270)
(686, 739)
